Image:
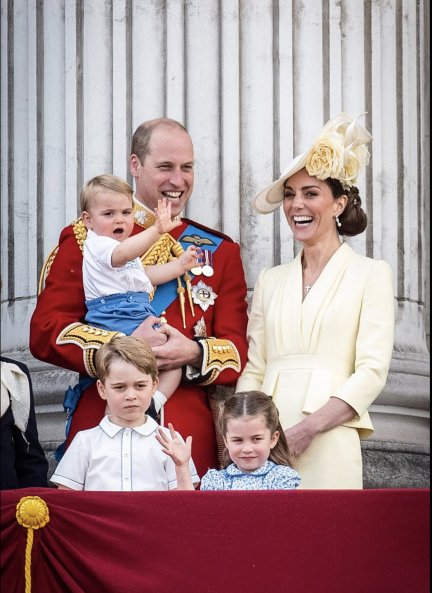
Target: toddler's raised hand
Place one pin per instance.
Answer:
(163, 223)
(190, 258)
(179, 451)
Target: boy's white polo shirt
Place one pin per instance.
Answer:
(111, 457)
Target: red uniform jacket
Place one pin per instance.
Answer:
(59, 335)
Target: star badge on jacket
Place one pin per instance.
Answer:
(203, 295)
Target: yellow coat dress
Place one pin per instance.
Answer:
(338, 341)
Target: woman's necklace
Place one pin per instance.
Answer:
(309, 277)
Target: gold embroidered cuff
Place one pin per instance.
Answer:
(89, 339)
(218, 355)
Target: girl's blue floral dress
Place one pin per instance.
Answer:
(268, 477)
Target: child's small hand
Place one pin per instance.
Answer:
(163, 223)
(179, 451)
(191, 258)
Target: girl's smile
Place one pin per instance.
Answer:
(249, 441)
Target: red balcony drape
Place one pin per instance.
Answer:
(221, 542)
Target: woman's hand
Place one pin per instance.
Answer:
(299, 437)
(333, 413)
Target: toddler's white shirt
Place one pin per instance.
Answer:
(101, 279)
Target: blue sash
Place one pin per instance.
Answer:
(167, 293)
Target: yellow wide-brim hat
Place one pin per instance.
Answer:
(339, 152)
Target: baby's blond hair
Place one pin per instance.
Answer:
(99, 183)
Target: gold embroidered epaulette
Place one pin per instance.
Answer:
(218, 355)
(89, 339)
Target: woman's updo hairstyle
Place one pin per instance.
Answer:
(353, 219)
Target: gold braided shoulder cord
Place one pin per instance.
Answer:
(163, 251)
(80, 232)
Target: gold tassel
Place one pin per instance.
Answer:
(32, 513)
(177, 249)
(180, 291)
(187, 279)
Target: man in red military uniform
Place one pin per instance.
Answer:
(206, 312)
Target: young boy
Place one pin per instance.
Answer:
(116, 285)
(128, 450)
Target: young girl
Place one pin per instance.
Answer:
(125, 451)
(255, 445)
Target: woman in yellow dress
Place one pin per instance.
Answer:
(321, 326)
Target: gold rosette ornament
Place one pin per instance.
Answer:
(32, 513)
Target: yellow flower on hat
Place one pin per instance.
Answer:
(326, 158)
(339, 152)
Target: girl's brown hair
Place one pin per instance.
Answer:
(254, 403)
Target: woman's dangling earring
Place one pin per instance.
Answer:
(338, 222)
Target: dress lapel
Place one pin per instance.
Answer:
(323, 290)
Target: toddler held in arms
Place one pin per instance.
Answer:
(126, 450)
(117, 286)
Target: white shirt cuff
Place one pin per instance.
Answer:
(192, 372)
(159, 399)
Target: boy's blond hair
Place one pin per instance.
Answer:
(129, 349)
(105, 182)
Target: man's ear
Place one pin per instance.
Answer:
(101, 389)
(134, 164)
